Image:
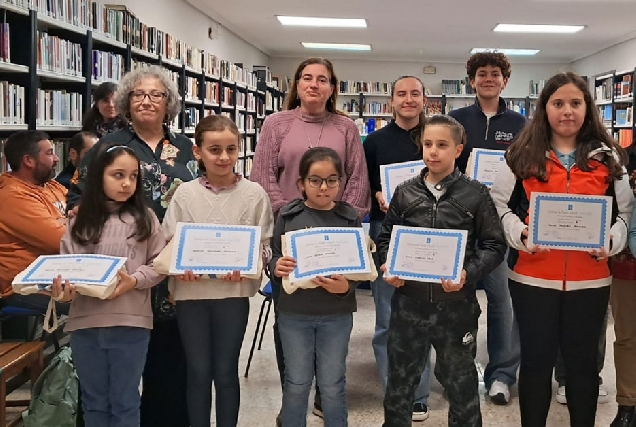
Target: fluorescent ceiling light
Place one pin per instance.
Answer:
(305, 21)
(510, 52)
(336, 46)
(535, 28)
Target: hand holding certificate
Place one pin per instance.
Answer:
(427, 254)
(92, 275)
(229, 251)
(323, 251)
(394, 174)
(569, 221)
(484, 164)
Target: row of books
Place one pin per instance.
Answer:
(12, 102)
(623, 87)
(603, 91)
(535, 88)
(244, 166)
(624, 116)
(235, 73)
(107, 66)
(625, 137)
(58, 55)
(351, 86)
(59, 108)
(457, 87)
(5, 46)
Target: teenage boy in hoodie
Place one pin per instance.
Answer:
(490, 124)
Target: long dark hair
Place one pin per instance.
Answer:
(94, 212)
(102, 93)
(416, 132)
(526, 156)
(292, 101)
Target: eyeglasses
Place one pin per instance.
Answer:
(140, 95)
(316, 181)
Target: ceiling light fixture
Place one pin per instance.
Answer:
(509, 52)
(336, 46)
(538, 28)
(306, 21)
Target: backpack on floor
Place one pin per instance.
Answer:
(55, 395)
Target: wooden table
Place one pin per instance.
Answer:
(16, 357)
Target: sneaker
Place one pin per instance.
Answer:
(603, 395)
(560, 395)
(420, 412)
(624, 416)
(317, 410)
(499, 393)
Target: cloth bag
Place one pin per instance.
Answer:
(290, 287)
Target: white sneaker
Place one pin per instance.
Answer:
(603, 396)
(560, 395)
(499, 393)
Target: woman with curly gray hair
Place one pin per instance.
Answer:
(149, 100)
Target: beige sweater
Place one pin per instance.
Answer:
(245, 204)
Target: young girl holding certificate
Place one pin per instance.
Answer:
(212, 317)
(315, 324)
(109, 338)
(560, 296)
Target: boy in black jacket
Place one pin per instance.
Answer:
(442, 314)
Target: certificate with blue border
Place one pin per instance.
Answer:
(485, 165)
(569, 221)
(216, 249)
(323, 251)
(97, 270)
(426, 254)
(394, 174)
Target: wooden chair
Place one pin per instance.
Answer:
(16, 357)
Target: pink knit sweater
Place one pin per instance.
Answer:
(286, 136)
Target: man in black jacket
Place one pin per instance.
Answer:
(442, 314)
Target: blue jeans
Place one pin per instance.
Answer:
(504, 352)
(212, 333)
(382, 294)
(109, 363)
(323, 342)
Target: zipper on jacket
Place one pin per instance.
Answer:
(565, 265)
(430, 285)
(487, 127)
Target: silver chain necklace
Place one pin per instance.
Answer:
(322, 126)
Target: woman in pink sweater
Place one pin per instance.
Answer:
(309, 119)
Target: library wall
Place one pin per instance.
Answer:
(619, 57)
(187, 23)
(388, 71)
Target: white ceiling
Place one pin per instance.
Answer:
(440, 30)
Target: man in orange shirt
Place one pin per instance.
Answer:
(32, 219)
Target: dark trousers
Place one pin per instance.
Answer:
(548, 320)
(163, 400)
(212, 332)
(559, 369)
(36, 302)
(451, 327)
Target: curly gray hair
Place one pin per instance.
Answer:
(129, 81)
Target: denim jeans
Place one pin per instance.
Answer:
(382, 294)
(212, 332)
(323, 342)
(504, 352)
(109, 363)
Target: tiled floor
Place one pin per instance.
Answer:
(261, 395)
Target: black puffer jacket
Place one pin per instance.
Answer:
(466, 205)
